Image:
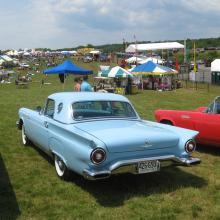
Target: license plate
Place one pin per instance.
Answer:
(148, 166)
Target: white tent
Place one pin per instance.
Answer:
(133, 59)
(73, 52)
(1, 61)
(215, 65)
(153, 59)
(20, 52)
(26, 53)
(116, 72)
(6, 58)
(95, 52)
(132, 48)
(12, 53)
(102, 68)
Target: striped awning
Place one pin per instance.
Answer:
(116, 72)
(151, 68)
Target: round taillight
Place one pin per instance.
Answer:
(98, 155)
(190, 146)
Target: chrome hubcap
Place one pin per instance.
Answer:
(60, 166)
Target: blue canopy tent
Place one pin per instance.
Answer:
(151, 68)
(67, 67)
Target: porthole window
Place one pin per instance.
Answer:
(60, 107)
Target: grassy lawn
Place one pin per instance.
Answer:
(30, 189)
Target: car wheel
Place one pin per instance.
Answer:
(24, 137)
(61, 169)
(167, 122)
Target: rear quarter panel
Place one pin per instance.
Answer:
(184, 136)
(73, 145)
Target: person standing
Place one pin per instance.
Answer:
(77, 84)
(85, 86)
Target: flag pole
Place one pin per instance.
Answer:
(194, 68)
(142, 84)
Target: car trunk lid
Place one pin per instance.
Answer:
(133, 135)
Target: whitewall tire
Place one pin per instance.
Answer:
(60, 167)
(24, 137)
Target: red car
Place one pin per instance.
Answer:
(206, 120)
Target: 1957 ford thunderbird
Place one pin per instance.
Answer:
(100, 134)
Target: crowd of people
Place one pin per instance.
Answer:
(161, 83)
(150, 82)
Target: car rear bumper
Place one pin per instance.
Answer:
(18, 125)
(130, 166)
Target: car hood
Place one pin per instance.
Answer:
(133, 135)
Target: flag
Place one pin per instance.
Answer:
(194, 68)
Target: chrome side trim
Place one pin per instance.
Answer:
(94, 175)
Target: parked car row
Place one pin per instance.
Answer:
(89, 58)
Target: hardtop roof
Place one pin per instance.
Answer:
(86, 96)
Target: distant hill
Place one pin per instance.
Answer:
(200, 43)
(107, 48)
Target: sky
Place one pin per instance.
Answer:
(69, 23)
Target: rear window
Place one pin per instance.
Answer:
(102, 109)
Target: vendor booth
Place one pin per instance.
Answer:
(154, 76)
(122, 79)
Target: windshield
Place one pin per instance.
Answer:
(102, 109)
(214, 107)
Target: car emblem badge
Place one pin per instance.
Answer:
(147, 144)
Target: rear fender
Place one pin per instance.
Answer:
(55, 146)
(60, 156)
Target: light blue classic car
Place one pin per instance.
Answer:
(100, 134)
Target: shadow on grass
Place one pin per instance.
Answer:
(112, 192)
(9, 208)
(213, 150)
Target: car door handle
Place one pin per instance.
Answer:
(46, 124)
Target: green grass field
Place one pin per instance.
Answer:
(30, 189)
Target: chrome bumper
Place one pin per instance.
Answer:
(130, 166)
(18, 125)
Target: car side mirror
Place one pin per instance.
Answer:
(39, 109)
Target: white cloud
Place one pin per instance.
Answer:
(69, 6)
(67, 23)
(204, 5)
